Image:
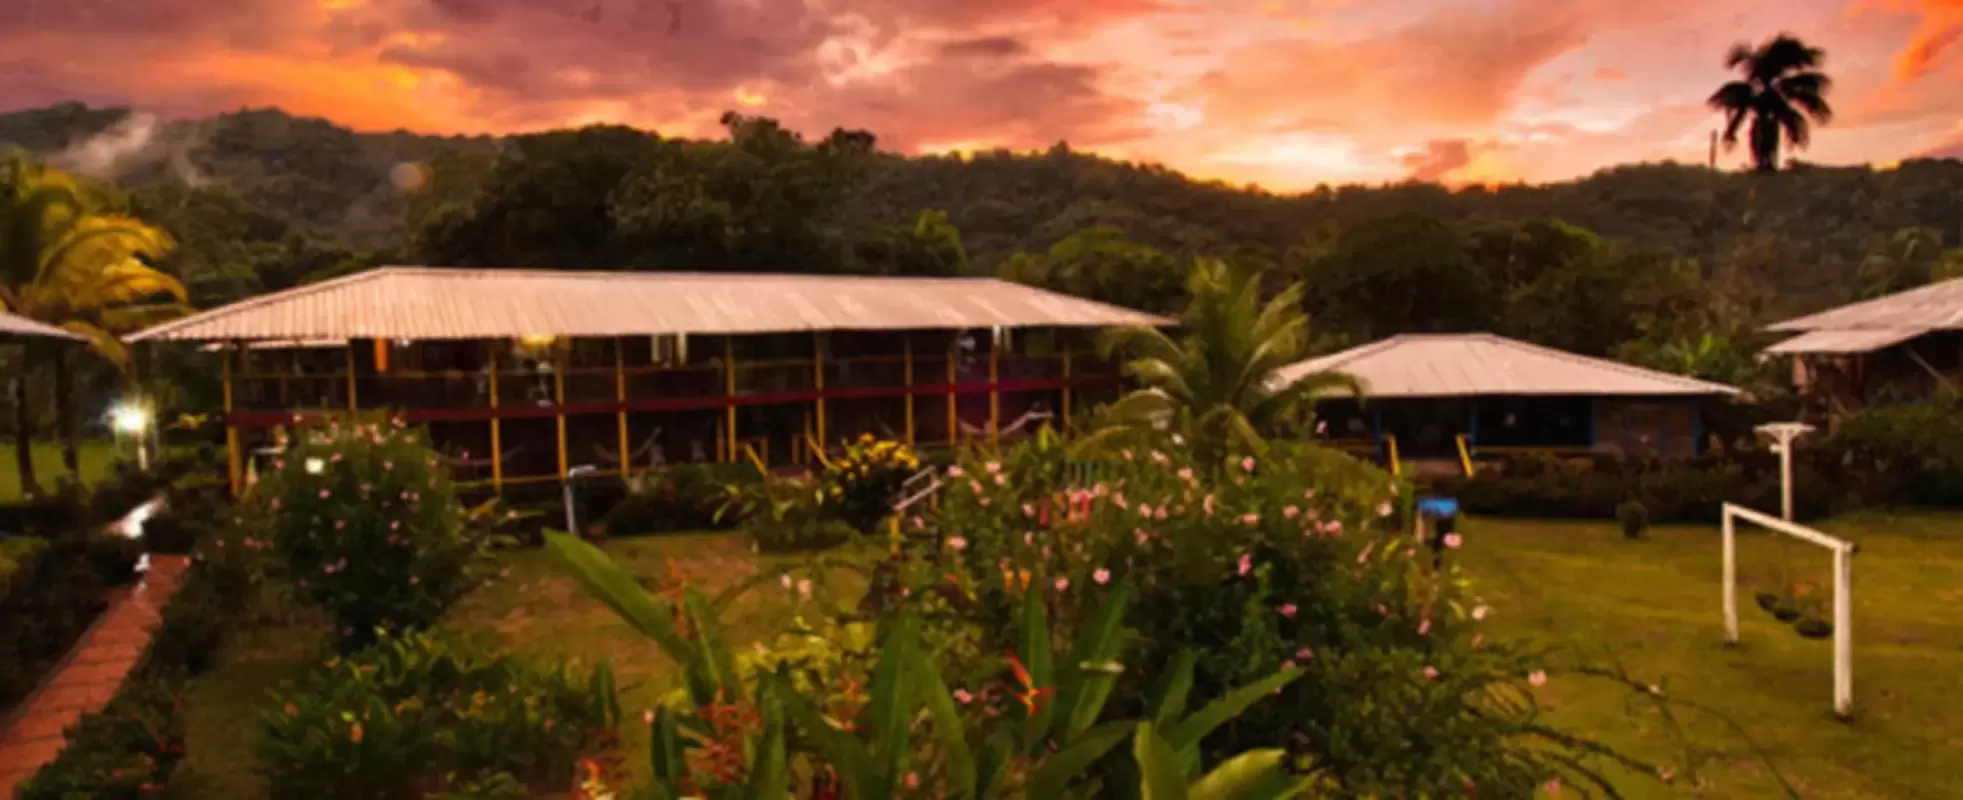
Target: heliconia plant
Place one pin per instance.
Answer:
(734, 742)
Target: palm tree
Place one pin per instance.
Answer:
(65, 262)
(1782, 93)
(1213, 384)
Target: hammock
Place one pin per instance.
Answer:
(461, 461)
(651, 445)
(1033, 415)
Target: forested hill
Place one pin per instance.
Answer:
(1659, 253)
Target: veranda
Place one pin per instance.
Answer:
(522, 376)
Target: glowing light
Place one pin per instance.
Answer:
(749, 98)
(131, 525)
(129, 418)
(316, 466)
(537, 340)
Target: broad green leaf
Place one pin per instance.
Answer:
(1191, 730)
(1254, 775)
(993, 765)
(1160, 777)
(1036, 658)
(612, 585)
(1059, 770)
(769, 769)
(1083, 694)
(947, 723)
(709, 641)
(665, 753)
(1172, 689)
(845, 753)
(890, 706)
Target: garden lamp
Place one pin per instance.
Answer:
(572, 523)
(132, 418)
(1782, 435)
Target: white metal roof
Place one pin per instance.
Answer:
(1938, 306)
(1475, 364)
(12, 325)
(437, 303)
(1846, 341)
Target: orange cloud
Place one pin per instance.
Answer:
(1611, 74)
(1939, 31)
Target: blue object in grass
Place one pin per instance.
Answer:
(1438, 507)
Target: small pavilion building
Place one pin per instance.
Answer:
(1900, 346)
(1450, 398)
(520, 375)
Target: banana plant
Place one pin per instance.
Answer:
(746, 735)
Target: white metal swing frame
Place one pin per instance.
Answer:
(1843, 575)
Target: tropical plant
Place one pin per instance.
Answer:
(67, 261)
(1221, 383)
(1781, 92)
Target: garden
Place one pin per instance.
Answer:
(1192, 599)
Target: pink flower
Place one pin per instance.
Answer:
(1336, 527)
(993, 467)
(1303, 654)
(957, 543)
(963, 696)
(1553, 787)
(1101, 576)
(1478, 612)
(1431, 673)
(1062, 584)
(975, 486)
(413, 580)
(1666, 773)
(1424, 627)
(1322, 427)
(1001, 481)
(1308, 494)
(1126, 453)
(1246, 564)
(1290, 512)
(648, 716)
(1537, 678)
(1478, 639)
(1288, 610)
(1159, 513)
(1160, 458)
(1365, 555)
(1383, 509)
(1140, 535)
(1248, 464)
(785, 580)
(1186, 473)
(1028, 510)
(955, 471)
(324, 494)
(1288, 665)
(1251, 518)
(913, 780)
(1206, 505)
(340, 524)
(1452, 541)
(804, 587)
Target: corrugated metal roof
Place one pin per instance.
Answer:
(282, 344)
(438, 303)
(1845, 341)
(1938, 306)
(13, 325)
(1473, 364)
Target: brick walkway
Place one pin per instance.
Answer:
(90, 675)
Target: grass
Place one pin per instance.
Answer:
(96, 457)
(535, 610)
(1650, 607)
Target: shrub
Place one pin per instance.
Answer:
(784, 515)
(1298, 559)
(366, 523)
(1634, 519)
(53, 595)
(418, 714)
(115, 557)
(677, 497)
(862, 484)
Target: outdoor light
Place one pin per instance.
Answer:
(537, 340)
(1782, 435)
(129, 418)
(316, 466)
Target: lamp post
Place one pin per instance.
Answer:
(1783, 434)
(572, 522)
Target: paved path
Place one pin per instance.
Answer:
(90, 675)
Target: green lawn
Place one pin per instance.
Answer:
(1650, 606)
(1653, 607)
(96, 456)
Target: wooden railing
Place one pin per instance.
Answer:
(1465, 456)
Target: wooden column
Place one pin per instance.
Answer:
(353, 398)
(906, 350)
(818, 381)
(497, 427)
(994, 390)
(729, 400)
(559, 405)
(232, 454)
(620, 396)
(953, 397)
(1064, 424)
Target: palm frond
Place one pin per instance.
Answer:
(103, 343)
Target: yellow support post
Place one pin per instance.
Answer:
(1065, 424)
(818, 380)
(231, 431)
(729, 404)
(994, 392)
(906, 348)
(953, 399)
(497, 429)
(559, 408)
(381, 356)
(353, 405)
(620, 396)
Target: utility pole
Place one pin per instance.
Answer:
(1714, 150)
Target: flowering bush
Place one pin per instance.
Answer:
(1300, 560)
(365, 520)
(862, 484)
(415, 715)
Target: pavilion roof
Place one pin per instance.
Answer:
(1482, 364)
(1871, 325)
(12, 326)
(422, 303)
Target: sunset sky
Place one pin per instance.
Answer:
(1285, 93)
